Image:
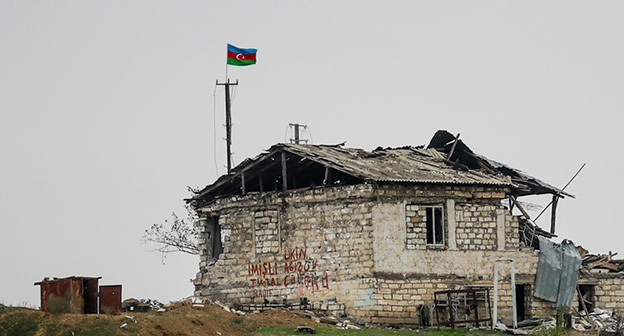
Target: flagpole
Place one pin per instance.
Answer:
(228, 122)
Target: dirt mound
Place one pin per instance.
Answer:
(181, 319)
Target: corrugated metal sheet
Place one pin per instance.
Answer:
(398, 165)
(569, 276)
(557, 272)
(406, 164)
(524, 176)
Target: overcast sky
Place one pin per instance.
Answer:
(108, 111)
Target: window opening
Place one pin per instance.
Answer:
(435, 225)
(586, 294)
(214, 245)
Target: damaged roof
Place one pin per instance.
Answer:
(305, 166)
(405, 164)
(462, 154)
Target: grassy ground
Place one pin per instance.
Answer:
(29, 322)
(288, 331)
(185, 320)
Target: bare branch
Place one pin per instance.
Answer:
(177, 235)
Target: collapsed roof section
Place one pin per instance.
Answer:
(294, 166)
(461, 155)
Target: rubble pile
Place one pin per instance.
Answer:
(320, 312)
(597, 263)
(140, 305)
(599, 319)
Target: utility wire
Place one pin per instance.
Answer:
(310, 131)
(233, 94)
(214, 129)
(562, 189)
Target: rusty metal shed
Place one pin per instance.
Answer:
(78, 295)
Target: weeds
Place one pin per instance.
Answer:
(18, 324)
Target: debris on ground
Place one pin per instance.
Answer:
(598, 319)
(142, 305)
(323, 314)
(306, 330)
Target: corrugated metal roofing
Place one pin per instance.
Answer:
(401, 165)
(523, 175)
(391, 165)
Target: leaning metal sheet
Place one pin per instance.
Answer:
(571, 263)
(557, 272)
(548, 271)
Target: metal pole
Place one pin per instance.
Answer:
(495, 317)
(228, 126)
(513, 294)
(297, 134)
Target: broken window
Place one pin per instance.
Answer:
(586, 296)
(214, 245)
(435, 225)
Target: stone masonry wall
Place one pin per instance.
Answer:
(315, 244)
(608, 290)
(351, 243)
(266, 232)
(476, 223)
(476, 226)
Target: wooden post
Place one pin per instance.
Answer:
(476, 306)
(453, 147)
(243, 182)
(284, 175)
(515, 201)
(228, 122)
(553, 215)
(327, 178)
(450, 309)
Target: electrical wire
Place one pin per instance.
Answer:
(286, 132)
(310, 132)
(233, 94)
(214, 129)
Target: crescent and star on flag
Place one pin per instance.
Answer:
(241, 56)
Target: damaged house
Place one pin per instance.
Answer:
(379, 235)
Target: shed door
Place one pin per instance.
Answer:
(110, 299)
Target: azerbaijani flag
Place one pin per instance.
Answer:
(239, 56)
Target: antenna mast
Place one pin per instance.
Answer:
(297, 140)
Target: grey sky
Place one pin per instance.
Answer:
(107, 111)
